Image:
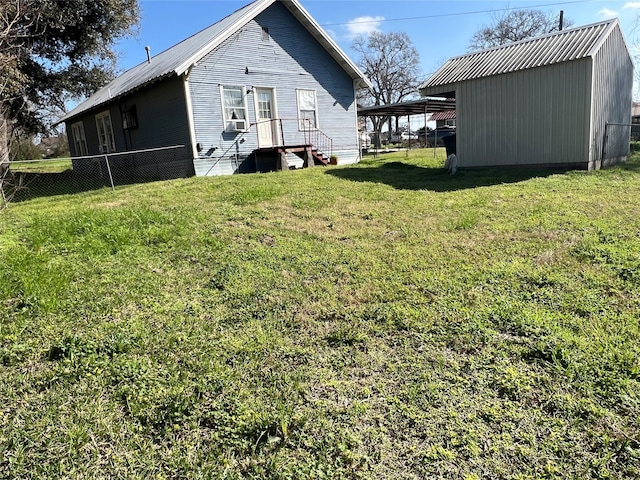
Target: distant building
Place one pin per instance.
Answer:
(52, 146)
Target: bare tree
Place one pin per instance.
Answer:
(392, 64)
(515, 25)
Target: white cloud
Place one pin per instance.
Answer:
(332, 34)
(632, 5)
(606, 13)
(364, 25)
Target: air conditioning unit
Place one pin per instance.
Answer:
(237, 125)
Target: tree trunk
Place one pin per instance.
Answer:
(4, 144)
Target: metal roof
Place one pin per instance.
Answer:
(548, 49)
(412, 107)
(180, 58)
(444, 115)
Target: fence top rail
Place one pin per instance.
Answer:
(100, 155)
(41, 160)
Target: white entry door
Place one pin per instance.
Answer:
(267, 123)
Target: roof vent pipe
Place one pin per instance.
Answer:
(561, 20)
(148, 49)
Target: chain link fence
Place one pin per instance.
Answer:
(615, 142)
(24, 180)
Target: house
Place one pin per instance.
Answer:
(562, 100)
(446, 118)
(262, 89)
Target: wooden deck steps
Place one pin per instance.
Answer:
(308, 153)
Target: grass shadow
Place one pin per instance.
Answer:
(405, 176)
(24, 186)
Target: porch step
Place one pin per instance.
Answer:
(319, 157)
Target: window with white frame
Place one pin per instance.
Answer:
(79, 140)
(234, 107)
(307, 109)
(106, 142)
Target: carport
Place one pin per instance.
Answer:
(424, 106)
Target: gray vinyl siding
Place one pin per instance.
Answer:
(536, 116)
(612, 99)
(292, 59)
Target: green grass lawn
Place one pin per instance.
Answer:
(381, 321)
(54, 165)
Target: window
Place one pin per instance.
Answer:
(129, 118)
(79, 140)
(106, 142)
(234, 107)
(307, 109)
(265, 34)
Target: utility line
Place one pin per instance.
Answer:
(457, 14)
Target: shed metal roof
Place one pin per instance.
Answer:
(178, 59)
(548, 49)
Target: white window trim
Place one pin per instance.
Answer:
(79, 139)
(301, 123)
(110, 140)
(228, 125)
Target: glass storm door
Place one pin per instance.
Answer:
(267, 124)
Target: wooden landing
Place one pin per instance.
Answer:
(306, 152)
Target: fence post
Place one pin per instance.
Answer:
(604, 144)
(106, 158)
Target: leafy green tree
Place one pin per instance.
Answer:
(54, 51)
(24, 148)
(515, 25)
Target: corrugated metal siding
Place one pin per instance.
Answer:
(537, 116)
(291, 59)
(612, 99)
(550, 49)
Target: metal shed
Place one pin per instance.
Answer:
(562, 99)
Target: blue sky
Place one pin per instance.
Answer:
(439, 28)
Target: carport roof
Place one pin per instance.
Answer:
(413, 107)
